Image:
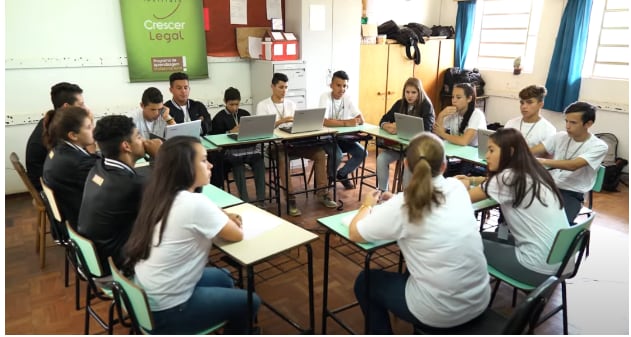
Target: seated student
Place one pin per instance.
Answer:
(153, 116)
(111, 197)
(170, 241)
(531, 124)
(462, 118)
(284, 110)
(61, 94)
(577, 156)
(433, 223)
(68, 134)
(415, 103)
(340, 111)
(531, 204)
(183, 109)
(227, 121)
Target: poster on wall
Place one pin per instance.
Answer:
(162, 37)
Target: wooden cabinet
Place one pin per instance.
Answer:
(383, 69)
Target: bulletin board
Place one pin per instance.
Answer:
(221, 39)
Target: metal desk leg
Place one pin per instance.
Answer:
(366, 269)
(250, 299)
(325, 283)
(311, 329)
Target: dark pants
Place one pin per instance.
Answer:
(217, 174)
(573, 202)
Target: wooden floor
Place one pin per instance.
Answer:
(36, 301)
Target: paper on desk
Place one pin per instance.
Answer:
(238, 12)
(254, 47)
(257, 224)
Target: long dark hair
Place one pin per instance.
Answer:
(516, 155)
(425, 155)
(173, 172)
(422, 96)
(57, 124)
(469, 91)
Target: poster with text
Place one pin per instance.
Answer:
(163, 37)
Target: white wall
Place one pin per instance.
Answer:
(427, 12)
(503, 87)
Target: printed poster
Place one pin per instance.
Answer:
(163, 37)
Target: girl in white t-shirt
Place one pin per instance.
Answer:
(530, 202)
(462, 118)
(169, 245)
(433, 224)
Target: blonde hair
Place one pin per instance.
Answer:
(425, 156)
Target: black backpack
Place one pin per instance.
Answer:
(447, 31)
(457, 75)
(612, 163)
(405, 36)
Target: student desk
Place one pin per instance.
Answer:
(397, 180)
(278, 239)
(466, 153)
(287, 137)
(334, 225)
(220, 197)
(208, 145)
(224, 142)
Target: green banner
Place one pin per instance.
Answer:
(162, 37)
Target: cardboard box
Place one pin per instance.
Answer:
(278, 46)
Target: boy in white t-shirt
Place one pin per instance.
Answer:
(532, 126)
(284, 110)
(340, 111)
(577, 156)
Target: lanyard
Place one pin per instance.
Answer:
(531, 127)
(575, 151)
(280, 114)
(153, 126)
(337, 112)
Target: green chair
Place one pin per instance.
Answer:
(568, 249)
(523, 319)
(98, 284)
(134, 300)
(598, 185)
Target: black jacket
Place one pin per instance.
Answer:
(224, 122)
(426, 112)
(196, 110)
(36, 155)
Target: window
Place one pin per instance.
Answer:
(607, 54)
(504, 30)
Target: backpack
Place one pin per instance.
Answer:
(405, 36)
(420, 30)
(447, 31)
(612, 163)
(457, 75)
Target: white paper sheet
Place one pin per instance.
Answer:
(238, 12)
(274, 9)
(254, 47)
(291, 49)
(317, 17)
(254, 225)
(278, 49)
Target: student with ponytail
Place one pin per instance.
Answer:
(433, 223)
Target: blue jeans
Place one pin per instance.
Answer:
(214, 300)
(384, 159)
(387, 293)
(355, 150)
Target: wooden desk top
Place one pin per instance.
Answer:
(281, 236)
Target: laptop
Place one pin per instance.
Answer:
(408, 126)
(192, 129)
(254, 127)
(483, 142)
(306, 120)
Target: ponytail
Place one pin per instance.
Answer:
(47, 138)
(425, 156)
(469, 91)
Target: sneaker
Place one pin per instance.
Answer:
(293, 209)
(347, 183)
(260, 204)
(326, 201)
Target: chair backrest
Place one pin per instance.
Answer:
(17, 165)
(600, 177)
(57, 226)
(526, 315)
(50, 195)
(87, 257)
(567, 243)
(134, 299)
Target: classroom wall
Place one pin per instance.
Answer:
(503, 87)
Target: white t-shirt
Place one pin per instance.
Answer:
(449, 282)
(175, 266)
(593, 150)
(145, 127)
(281, 110)
(535, 227)
(342, 108)
(534, 133)
(477, 121)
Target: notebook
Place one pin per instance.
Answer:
(408, 126)
(192, 129)
(254, 127)
(306, 120)
(483, 142)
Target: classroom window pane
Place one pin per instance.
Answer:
(506, 50)
(613, 54)
(611, 70)
(506, 6)
(614, 37)
(510, 36)
(506, 21)
(616, 19)
(617, 4)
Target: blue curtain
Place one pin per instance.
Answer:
(464, 28)
(564, 76)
